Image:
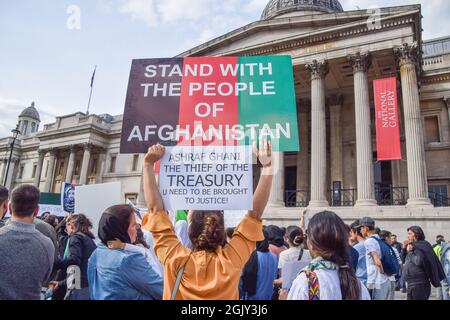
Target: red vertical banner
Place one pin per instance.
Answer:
(387, 119)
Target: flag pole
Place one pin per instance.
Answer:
(92, 87)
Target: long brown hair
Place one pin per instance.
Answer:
(328, 235)
(207, 230)
(82, 224)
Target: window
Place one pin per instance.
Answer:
(61, 168)
(33, 127)
(22, 167)
(76, 172)
(132, 197)
(25, 127)
(46, 167)
(135, 162)
(93, 170)
(34, 171)
(432, 129)
(439, 196)
(112, 164)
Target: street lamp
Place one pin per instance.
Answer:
(15, 133)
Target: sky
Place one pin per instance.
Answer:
(49, 48)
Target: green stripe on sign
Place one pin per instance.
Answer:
(50, 198)
(269, 109)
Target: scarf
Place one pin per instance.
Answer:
(250, 272)
(320, 263)
(66, 250)
(110, 228)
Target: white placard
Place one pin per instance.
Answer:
(56, 210)
(93, 200)
(233, 217)
(207, 178)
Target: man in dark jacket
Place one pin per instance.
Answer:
(421, 266)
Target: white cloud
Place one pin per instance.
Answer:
(140, 10)
(176, 10)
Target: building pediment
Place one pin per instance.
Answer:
(276, 35)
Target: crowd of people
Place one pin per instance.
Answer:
(198, 259)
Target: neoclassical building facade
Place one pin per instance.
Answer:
(336, 56)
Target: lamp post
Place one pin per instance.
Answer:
(15, 132)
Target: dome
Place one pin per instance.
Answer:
(278, 7)
(31, 112)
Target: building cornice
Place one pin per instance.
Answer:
(307, 39)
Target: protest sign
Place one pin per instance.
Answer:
(201, 178)
(93, 200)
(51, 202)
(68, 197)
(233, 218)
(210, 101)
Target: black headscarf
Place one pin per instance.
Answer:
(110, 228)
(250, 272)
(276, 236)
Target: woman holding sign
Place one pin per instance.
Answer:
(208, 271)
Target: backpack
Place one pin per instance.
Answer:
(388, 258)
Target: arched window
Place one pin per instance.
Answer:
(25, 127)
(33, 127)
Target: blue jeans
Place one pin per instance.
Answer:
(382, 293)
(443, 291)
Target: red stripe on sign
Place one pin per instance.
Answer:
(208, 105)
(387, 120)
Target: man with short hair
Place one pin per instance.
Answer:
(358, 239)
(4, 194)
(378, 283)
(395, 244)
(27, 255)
(437, 247)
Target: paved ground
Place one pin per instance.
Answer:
(402, 296)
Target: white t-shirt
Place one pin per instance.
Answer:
(329, 284)
(374, 276)
(292, 254)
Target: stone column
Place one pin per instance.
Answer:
(10, 177)
(318, 71)
(71, 165)
(364, 154)
(85, 164)
(276, 198)
(447, 101)
(303, 175)
(445, 121)
(4, 164)
(407, 56)
(50, 171)
(100, 166)
(38, 174)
